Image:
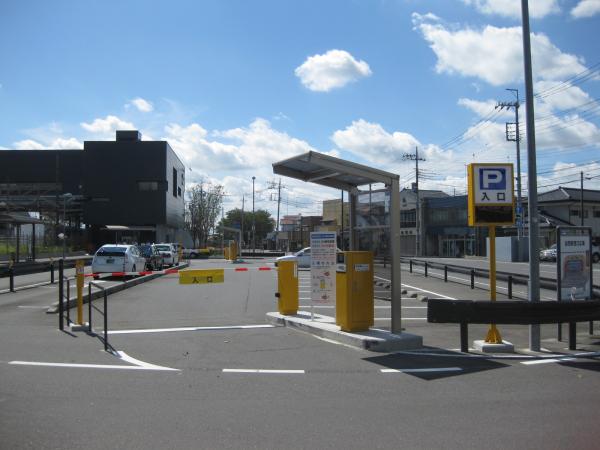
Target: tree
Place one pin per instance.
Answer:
(264, 223)
(204, 205)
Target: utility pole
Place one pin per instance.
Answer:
(242, 226)
(253, 221)
(517, 139)
(278, 204)
(532, 204)
(415, 157)
(581, 208)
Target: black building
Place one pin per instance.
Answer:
(126, 190)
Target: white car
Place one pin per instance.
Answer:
(303, 257)
(118, 258)
(168, 253)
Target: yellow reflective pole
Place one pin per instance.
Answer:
(79, 278)
(493, 334)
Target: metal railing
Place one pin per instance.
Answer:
(105, 313)
(61, 297)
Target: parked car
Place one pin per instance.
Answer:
(548, 254)
(168, 254)
(118, 258)
(302, 256)
(154, 260)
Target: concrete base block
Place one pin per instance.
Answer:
(485, 347)
(76, 327)
(324, 326)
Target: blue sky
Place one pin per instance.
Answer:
(234, 86)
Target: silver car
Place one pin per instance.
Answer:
(168, 253)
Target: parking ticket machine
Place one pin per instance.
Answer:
(354, 307)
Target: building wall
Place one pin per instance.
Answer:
(176, 191)
(114, 177)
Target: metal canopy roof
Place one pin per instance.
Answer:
(333, 172)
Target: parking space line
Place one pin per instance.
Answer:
(168, 330)
(425, 370)
(269, 371)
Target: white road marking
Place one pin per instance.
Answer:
(419, 289)
(271, 371)
(167, 330)
(125, 357)
(428, 370)
(546, 361)
(88, 366)
(33, 307)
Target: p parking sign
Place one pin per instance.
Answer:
(491, 194)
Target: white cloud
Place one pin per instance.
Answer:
(483, 109)
(372, 142)
(234, 149)
(586, 8)
(107, 126)
(141, 104)
(563, 96)
(334, 69)
(494, 54)
(512, 8)
(56, 144)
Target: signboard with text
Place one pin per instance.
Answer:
(491, 194)
(574, 263)
(323, 246)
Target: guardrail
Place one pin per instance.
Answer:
(27, 268)
(465, 312)
(510, 278)
(90, 309)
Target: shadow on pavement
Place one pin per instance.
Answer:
(430, 367)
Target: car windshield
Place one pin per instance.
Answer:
(163, 248)
(146, 250)
(111, 251)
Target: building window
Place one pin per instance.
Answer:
(597, 213)
(147, 185)
(174, 182)
(179, 192)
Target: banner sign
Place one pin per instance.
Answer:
(323, 246)
(574, 263)
(491, 194)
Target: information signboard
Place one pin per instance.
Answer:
(574, 263)
(323, 246)
(491, 194)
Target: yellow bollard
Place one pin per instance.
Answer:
(79, 267)
(493, 335)
(287, 287)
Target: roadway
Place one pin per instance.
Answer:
(209, 372)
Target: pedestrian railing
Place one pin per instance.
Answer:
(104, 313)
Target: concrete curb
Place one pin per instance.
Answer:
(53, 309)
(324, 326)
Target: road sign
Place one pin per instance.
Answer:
(574, 263)
(323, 245)
(491, 194)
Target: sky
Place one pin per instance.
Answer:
(235, 85)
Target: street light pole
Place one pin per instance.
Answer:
(581, 195)
(253, 221)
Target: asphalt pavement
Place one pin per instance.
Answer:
(199, 367)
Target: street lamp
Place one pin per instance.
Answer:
(253, 221)
(63, 235)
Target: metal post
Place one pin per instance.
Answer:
(61, 324)
(90, 306)
(52, 272)
(510, 285)
(352, 211)
(534, 246)
(105, 322)
(410, 265)
(446, 274)
(464, 337)
(572, 335)
(396, 301)
(11, 280)
(425, 268)
(472, 279)
(68, 302)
